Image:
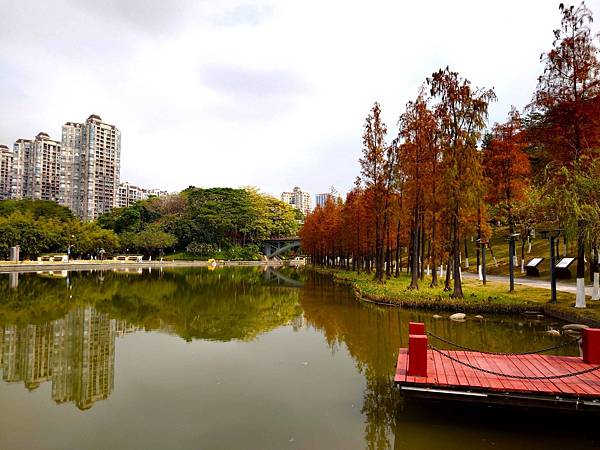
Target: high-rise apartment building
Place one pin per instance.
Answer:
(321, 199)
(35, 171)
(6, 157)
(91, 167)
(130, 194)
(298, 199)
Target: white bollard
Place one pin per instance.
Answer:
(596, 287)
(480, 272)
(466, 263)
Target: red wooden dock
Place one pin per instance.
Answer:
(563, 382)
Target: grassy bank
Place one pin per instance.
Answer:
(491, 298)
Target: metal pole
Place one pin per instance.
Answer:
(511, 263)
(483, 263)
(552, 271)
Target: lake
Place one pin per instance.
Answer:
(239, 358)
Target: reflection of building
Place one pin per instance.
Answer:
(76, 352)
(298, 199)
(27, 354)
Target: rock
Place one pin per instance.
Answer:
(553, 333)
(575, 326)
(437, 316)
(574, 333)
(458, 316)
(479, 317)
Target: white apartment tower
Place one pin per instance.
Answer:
(5, 171)
(298, 199)
(35, 171)
(91, 167)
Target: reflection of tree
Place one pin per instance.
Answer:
(195, 304)
(76, 353)
(52, 332)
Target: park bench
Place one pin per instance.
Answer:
(53, 258)
(134, 258)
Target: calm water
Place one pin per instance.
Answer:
(236, 359)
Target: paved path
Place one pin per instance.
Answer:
(532, 282)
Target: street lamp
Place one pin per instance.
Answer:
(552, 235)
(511, 259)
(483, 242)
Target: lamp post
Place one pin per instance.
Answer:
(552, 235)
(483, 242)
(511, 259)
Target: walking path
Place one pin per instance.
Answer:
(531, 282)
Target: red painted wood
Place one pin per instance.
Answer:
(416, 328)
(591, 345)
(417, 355)
(443, 372)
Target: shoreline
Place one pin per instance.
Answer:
(45, 266)
(557, 311)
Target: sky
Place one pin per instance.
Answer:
(272, 94)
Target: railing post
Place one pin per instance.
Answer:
(417, 350)
(416, 328)
(590, 345)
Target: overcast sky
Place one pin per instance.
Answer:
(234, 93)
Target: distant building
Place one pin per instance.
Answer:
(6, 157)
(321, 199)
(35, 171)
(298, 199)
(130, 194)
(91, 167)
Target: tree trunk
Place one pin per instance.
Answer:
(580, 297)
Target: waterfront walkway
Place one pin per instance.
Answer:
(533, 282)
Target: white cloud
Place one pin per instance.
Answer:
(253, 93)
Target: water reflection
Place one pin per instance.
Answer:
(257, 338)
(76, 353)
(50, 332)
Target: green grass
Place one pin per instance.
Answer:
(494, 297)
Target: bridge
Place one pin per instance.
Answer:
(277, 246)
(273, 275)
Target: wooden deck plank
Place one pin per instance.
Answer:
(439, 366)
(459, 369)
(482, 379)
(533, 370)
(580, 380)
(499, 383)
(560, 366)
